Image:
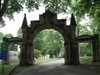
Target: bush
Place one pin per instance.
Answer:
(88, 53)
(37, 53)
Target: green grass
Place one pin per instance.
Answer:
(86, 59)
(7, 69)
(44, 61)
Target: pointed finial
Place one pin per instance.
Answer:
(24, 14)
(73, 22)
(24, 24)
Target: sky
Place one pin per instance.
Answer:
(12, 26)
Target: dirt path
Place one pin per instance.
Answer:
(57, 68)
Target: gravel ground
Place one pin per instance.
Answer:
(57, 68)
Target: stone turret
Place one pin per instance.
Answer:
(73, 22)
(24, 45)
(73, 41)
(24, 24)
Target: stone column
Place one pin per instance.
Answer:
(5, 40)
(95, 46)
(23, 55)
(74, 53)
(71, 53)
(30, 54)
(67, 53)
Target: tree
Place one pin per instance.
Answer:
(37, 53)
(49, 42)
(19, 33)
(9, 7)
(85, 49)
(12, 46)
(3, 7)
(1, 37)
(8, 35)
(90, 9)
(79, 7)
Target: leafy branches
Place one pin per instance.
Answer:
(49, 42)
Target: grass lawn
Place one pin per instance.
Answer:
(7, 68)
(86, 59)
(44, 61)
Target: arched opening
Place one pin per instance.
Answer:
(91, 44)
(48, 20)
(48, 45)
(85, 53)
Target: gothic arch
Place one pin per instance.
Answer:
(48, 20)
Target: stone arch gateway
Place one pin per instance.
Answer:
(48, 20)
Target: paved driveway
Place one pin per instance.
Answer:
(57, 68)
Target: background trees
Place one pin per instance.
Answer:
(12, 46)
(49, 42)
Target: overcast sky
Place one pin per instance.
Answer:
(13, 26)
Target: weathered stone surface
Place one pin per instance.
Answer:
(48, 20)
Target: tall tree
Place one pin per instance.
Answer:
(3, 7)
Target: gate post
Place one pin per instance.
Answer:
(67, 53)
(26, 46)
(95, 46)
(30, 56)
(74, 53)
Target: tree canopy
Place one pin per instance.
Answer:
(78, 7)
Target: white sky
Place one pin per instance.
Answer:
(13, 26)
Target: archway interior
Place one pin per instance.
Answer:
(85, 53)
(48, 44)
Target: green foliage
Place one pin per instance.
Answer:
(85, 49)
(57, 6)
(1, 37)
(19, 33)
(49, 42)
(8, 35)
(90, 9)
(86, 59)
(37, 53)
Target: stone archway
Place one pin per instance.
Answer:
(48, 20)
(94, 40)
(8, 41)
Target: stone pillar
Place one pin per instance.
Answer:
(26, 58)
(30, 54)
(5, 40)
(26, 49)
(71, 53)
(7, 57)
(74, 53)
(67, 53)
(95, 46)
(23, 55)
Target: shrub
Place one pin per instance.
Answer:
(37, 53)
